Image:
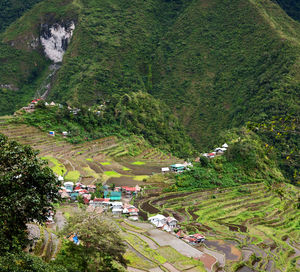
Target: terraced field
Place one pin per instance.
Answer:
(103, 160)
(145, 254)
(248, 228)
(251, 226)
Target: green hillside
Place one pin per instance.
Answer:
(227, 62)
(291, 7)
(217, 64)
(131, 114)
(10, 10)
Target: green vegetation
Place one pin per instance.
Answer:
(282, 137)
(105, 163)
(226, 62)
(72, 176)
(25, 60)
(21, 262)
(134, 113)
(99, 249)
(254, 217)
(216, 65)
(58, 167)
(179, 261)
(10, 10)
(291, 7)
(27, 190)
(138, 163)
(112, 174)
(246, 161)
(140, 178)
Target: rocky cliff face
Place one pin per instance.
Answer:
(55, 39)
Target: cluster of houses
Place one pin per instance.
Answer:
(111, 201)
(177, 168)
(217, 152)
(165, 223)
(195, 238)
(31, 106)
(169, 224)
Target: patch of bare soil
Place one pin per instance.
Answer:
(245, 269)
(191, 212)
(201, 227)
(143, 215)
(160, 201)
(231, 252)
(149, 208)
(208, 260)
(177, 216)
(145, 169)
(124, 181)
(233, 227)
(95, 167)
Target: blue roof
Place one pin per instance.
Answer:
(115, 198)
(75, 239)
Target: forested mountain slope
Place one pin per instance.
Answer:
(10, 10)
(217, 64)
(291, 7)
(225, 62)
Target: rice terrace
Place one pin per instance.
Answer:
(248, 227)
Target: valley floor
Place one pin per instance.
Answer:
(247, 228)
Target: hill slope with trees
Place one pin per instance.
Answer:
(216, 64)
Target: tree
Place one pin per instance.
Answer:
(27, 189)
(24, 262)
(100, 245)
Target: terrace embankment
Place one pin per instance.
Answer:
(102, 160)
(249, 224)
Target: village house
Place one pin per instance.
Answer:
(129, 191)
(100, 202)
(178, 168)
(115, 196)
(130, 210)
(171, 222)
(69, 186)
(117, 207)
(165, 170)
(158, 220)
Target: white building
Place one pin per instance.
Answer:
(158, 220)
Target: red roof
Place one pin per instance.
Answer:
(133, 209)
(77, 188)
(131, 189)
(101, 199)
(198, 236)
(211, 154)
(86, 201)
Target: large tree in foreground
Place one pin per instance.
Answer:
(100, 249)
(27, 189)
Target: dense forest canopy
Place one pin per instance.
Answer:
(291, 7)
(11, 10)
